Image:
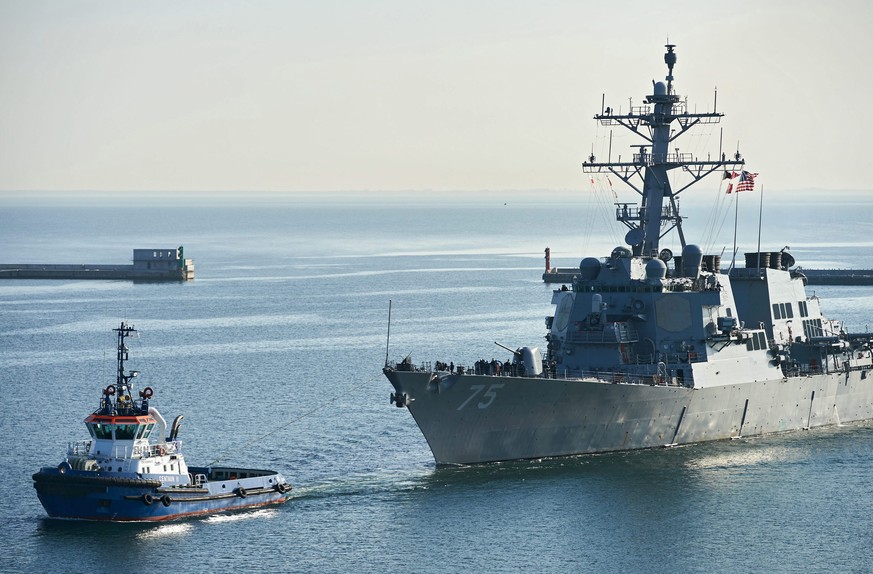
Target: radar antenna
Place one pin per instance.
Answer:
(662, 119)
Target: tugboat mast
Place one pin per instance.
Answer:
(122, 379)
(123, 332)
(653, 123)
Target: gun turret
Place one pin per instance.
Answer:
(516, 353)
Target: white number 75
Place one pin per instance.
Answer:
(490, 395)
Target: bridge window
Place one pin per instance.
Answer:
(812, 328)
(757, 342)
(776, 313)
(145, 431)
(126, 432)
(101, 431)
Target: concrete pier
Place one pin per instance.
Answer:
(148, 265)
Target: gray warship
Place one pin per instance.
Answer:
(646, 349)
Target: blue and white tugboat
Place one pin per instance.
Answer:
(132, 469)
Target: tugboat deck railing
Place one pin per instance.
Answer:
(83, 448)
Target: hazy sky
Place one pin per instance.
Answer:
(399, 94)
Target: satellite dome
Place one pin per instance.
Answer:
(660, 89)
(656, 269)
(692, 257)
(589, 268)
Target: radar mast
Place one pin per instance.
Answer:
(654, 122)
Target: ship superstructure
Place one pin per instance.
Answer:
(646, 349)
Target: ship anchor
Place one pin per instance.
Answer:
(400, 399)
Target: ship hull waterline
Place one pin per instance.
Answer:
(470, 419)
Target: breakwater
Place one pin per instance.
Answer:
(148, 265)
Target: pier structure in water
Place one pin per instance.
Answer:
(148, 265)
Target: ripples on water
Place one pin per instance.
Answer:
(274, 355)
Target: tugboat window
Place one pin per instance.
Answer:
(125, 432)
(102, 431)
(144, 431)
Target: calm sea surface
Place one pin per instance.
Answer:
(274, 356)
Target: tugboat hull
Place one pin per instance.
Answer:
(84, 495)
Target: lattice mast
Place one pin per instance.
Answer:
(653, 122)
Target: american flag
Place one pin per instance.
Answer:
(746, 182)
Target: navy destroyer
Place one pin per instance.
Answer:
(646, 349)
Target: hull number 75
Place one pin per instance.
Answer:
(487, 397)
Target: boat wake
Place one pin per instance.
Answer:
(165, 531)
(261, 514)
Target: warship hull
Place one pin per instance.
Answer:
(469, 419)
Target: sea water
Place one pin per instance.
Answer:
(274, 355)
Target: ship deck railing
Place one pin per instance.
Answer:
(79, 448)
(614, 377)
(83, 448)
(805, 370)
(620, 378)
(198, 479)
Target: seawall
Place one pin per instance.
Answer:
(159, 264)
(93, 271)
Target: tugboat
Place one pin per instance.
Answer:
(132, 469)
(646, 349)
